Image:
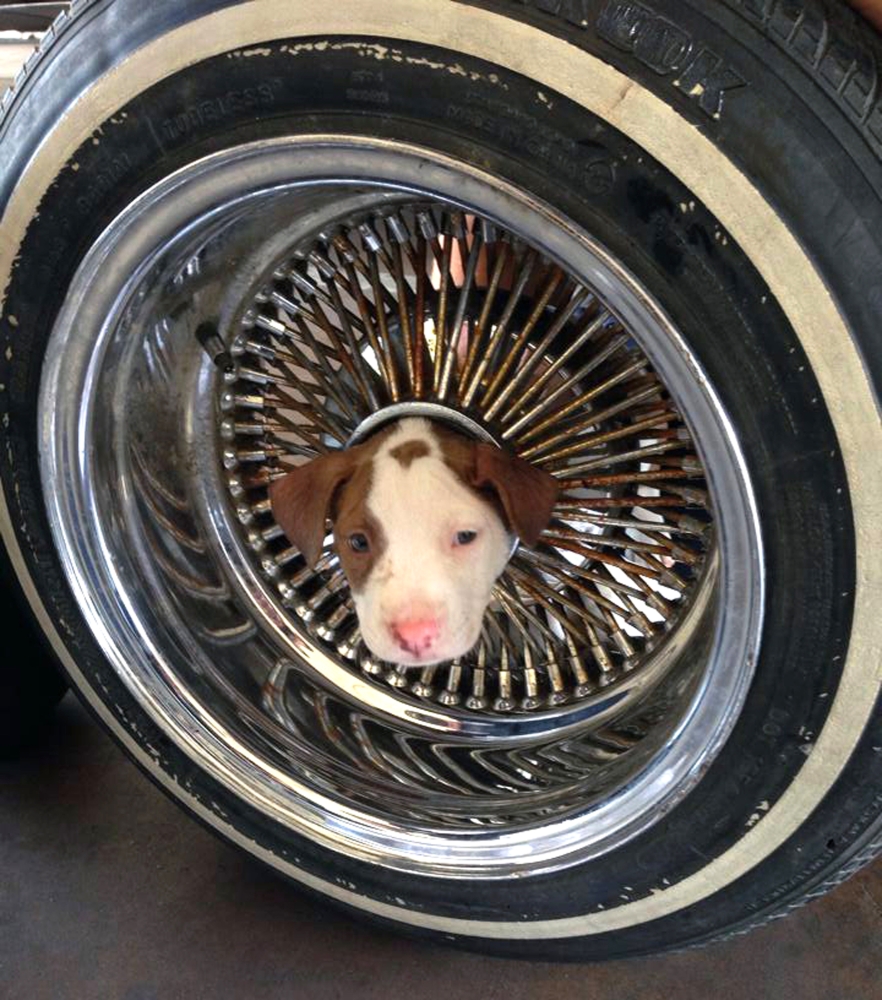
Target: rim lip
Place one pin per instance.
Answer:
(63, 456)
(421, 408)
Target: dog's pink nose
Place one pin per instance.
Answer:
(416, 635)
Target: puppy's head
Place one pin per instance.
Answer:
(422, 521)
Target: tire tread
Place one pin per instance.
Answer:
(54, 35)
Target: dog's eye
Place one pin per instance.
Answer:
(359, 542)
(465, 537)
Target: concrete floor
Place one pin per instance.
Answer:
(108, 891)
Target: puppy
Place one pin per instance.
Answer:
(423, 520)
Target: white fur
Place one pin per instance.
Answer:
(422, 571)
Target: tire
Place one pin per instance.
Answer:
(708, 176)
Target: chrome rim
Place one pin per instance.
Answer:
(261, 309)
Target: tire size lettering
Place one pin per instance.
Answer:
(594, 171)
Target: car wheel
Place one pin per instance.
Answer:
(638, 245)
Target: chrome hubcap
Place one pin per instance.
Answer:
(341, 278)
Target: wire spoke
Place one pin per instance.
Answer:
(427, 303)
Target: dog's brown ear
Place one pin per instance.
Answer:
(301, 501)
(528, 494)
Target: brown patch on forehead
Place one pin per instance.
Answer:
(409, 452)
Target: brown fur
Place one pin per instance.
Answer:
(871, 9)
(409, 452)
(303, 500)
(352, 515)
(524, 494)
(528, 494)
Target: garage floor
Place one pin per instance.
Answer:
(108, 891)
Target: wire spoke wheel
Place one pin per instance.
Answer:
(432, 310)
(245, 237)
(347, 287)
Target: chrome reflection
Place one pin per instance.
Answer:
(202, 609)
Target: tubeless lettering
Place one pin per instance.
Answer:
(217, 109)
